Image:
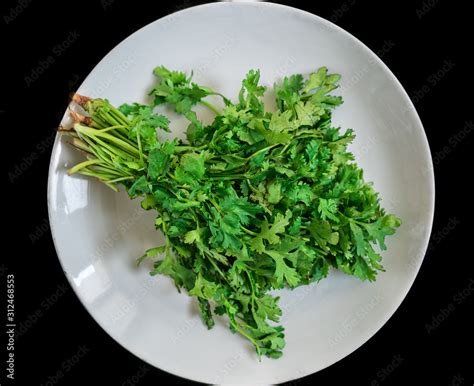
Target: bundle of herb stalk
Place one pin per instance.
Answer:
(255, 201)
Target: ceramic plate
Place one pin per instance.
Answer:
(99, 233)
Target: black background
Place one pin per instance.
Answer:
(431, 42)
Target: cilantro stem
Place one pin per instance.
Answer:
(234, 177)
(238, 328)
(248, 231)
(84, 164)
(226, 101)
(211, 260)
(81, 146)
(111, 186)
(118, 114)
(210, 107)
(113, 151)
(116, 127)
(181, 148)
(121, 179)
(253, 294)
(262, 151)
(139, 143)
(107, 170)
(253, 189)
(298, 238)
(215, 205)
(111, 138)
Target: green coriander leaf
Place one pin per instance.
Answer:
(328, 209)
(274, 192)
(152, 252)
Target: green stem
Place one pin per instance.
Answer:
(97, 133)
(120, 131)
(226, 178)
(252, 188)
(114, 128)
(248, 231)
(121, 179)
(242, 332)
(211, 260)
(102, 147)
(119, 115)
(215, 205)
(106, 169)
(262, 150)
(82, 165)
(181, 148)
(111, 186)
(139, 142)
(100, 175)
(210, 107)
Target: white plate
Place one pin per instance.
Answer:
(99, 233)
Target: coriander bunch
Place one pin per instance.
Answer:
(253, 202)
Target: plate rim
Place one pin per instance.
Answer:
(401, 295)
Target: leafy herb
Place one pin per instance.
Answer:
(254, 201)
